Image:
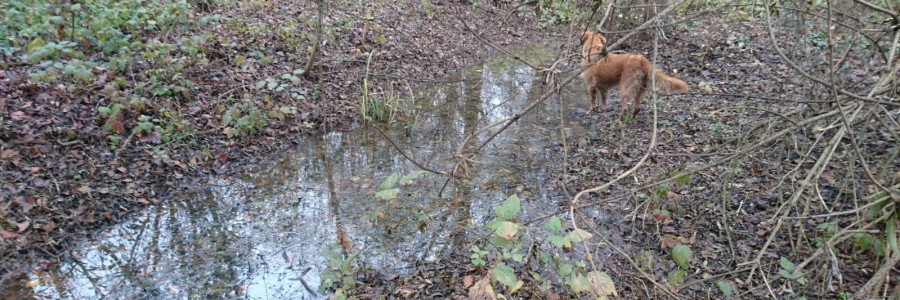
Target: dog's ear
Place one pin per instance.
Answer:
(585, 36)
(602, 38)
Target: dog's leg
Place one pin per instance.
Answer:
(592, 94)
(638, 98)
(625, 91)
(637, 102)
(603, 99)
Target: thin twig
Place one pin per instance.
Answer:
(404, 154)
(879, 9)
(797, 68)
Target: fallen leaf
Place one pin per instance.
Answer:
(482, 289)
(21, 226)
(18, 115)
(25, 203)
(7, 235)
(8, 153)
(552, 296)
(601, 284)
(406, 293)
(49, 226)
(468, 280)
(344, 241)
(708, 254)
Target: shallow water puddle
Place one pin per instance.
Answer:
(262, 235)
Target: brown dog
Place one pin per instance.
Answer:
(630, 72)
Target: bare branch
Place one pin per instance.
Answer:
(878, 8)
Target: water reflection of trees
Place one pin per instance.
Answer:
(249, 236)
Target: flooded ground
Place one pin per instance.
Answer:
(262, 235)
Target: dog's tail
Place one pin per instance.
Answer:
(669, 84)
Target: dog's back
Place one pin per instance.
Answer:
(607, 72)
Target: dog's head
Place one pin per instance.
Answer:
(596, 39)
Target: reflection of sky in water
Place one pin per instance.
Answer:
(256, 234)
(498, 87)
(225, 237)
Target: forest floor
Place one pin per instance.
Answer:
(71, 161)
(62, 176)
(724, 214)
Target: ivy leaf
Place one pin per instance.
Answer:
(83, 75)
(785, 273)
(104, 111)
(786, 264)
(601, 284)
(516, 286)
(682, 179)
(864, 241)
(554, 225)
(878, 248)
(579, 283)
(390, 182)
(408, 179)
(227, 118)
(578, 235)
(509, 208)
(556, 240)
(725, 288)
(339, 295)
(272, 85)
(34, 44)
(682, 255)
(388, 194)
(288, 110)
(505, 275)
(565, 269)
(676, 277)
(645, 260)
(506, 229)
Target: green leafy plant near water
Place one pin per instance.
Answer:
(383, 104)
(554, 12)
(73, 45)
(503, 254)
(392, 214)
(138, 51)
(512, 258)
(340, 272)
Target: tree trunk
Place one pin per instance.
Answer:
(320, 12)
